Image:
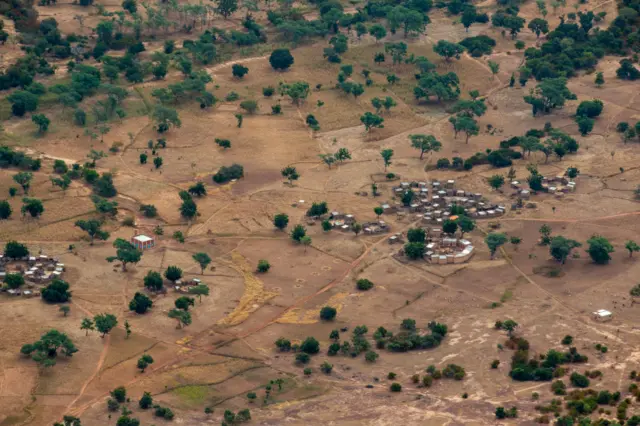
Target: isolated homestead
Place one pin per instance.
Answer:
(142, 242)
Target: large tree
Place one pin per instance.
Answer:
(494, 240)
(448, 50)
(226, 8)
(599, 249)
(549, 94)
(203, 260)
(425, 143)
(93, 228)
(560, 247)
(465, 124)
(45, 350)
(125, 253)
(105, 323)
(411, 21)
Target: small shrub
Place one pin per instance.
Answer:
(364, 284)
(395, 387)
(328, 313)
(263, 266)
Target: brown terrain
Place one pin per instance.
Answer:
(228, 350)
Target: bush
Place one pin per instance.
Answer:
(268, 91)
(495, 363)
(225, 174)
(283, 344)
(567, 340)
(364, 284)
(119, 394)
(303, 358)
(56, 292)
(443, 163)
(263, 266)
(395, 387)
(328, 313)
(281, 59)
(579, 380)
(310, 346)
(146, 401)
(163, 412)
(479, 45)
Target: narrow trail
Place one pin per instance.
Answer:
(302, 301)
(85, 385)
(590, 219)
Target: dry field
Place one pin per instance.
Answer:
(229, 349)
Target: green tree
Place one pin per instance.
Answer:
(226, 8)
(371, 121)
(378, 32)
(140, 303)
(306, 242)
(144, 361)
(22, 102)
(15, 250)
(414, 250)
(632, 246)
(496, 181)
(41, 121)
(386, 155)
(425, 143)
(173, 273)
(184, 303)
(448, 50)
(165, 117)
(465, 124)
(125, 253)
(494, 67)
(146, 401)
(182, 317)
(599, 79)
(411, 21)
(560, 247)
(494, 240)
(199, 290)
(203, 260)
(549, 94)
(298, 233)
(56, 292)
(153, 281)
(14, 280)
(599, 249)
(466, 224)
(45, 350)
(93, 228)
(24, 180)
(105, 323)
(280, 221)
(281, 59)
(87, 325)
(538, 26)
(328, 313)
(5, 210)
(290, 173)
(239, 71)
(33, 206)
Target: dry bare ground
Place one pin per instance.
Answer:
(228, 350)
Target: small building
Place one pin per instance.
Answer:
(602, 315)
(142, 242)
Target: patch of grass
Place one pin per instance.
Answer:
(506, 296)
(194, 395)
(549, 271)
